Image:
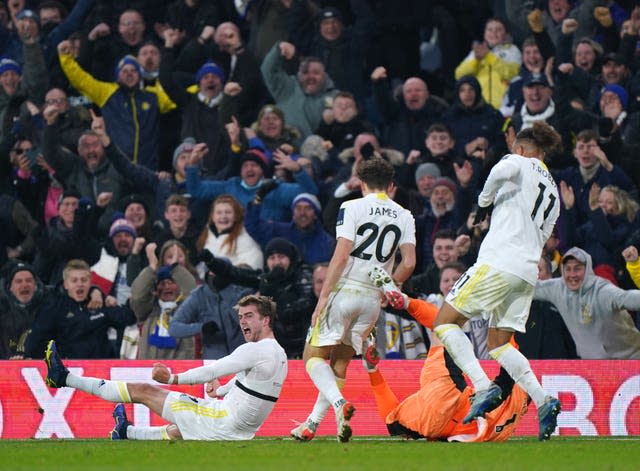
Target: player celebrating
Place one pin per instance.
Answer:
(524, 199)
(260, 366)
(369, 231)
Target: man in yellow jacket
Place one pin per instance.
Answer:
(130, 110)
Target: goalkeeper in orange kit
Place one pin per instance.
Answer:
(436, 410)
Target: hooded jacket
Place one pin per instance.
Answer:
(479, 120)
(301, 110)
(33, 86)
(131, 116)
(147, 309)
(596, 314)
(16, 318)
(79, 331)
(204, 305)
(494, 71)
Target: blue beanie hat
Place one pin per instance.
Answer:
(7, 64)
(28, 14)
(312, 200)
(122, 225)
(163, 273)
(210, 67)
(618, 90)
(128, 59)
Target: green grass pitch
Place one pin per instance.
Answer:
(324, 453)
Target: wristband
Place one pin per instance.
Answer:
(172, 378)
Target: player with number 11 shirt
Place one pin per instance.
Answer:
(369, 231)
(525, 204)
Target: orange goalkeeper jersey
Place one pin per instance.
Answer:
(436, 410)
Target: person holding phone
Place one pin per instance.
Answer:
(30, 177)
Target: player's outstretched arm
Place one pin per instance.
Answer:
(200, 375)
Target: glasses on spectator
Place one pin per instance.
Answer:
(20, 150)
(55, 101)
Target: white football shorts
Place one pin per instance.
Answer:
(502, 297)
(351, 312)
(202, 419)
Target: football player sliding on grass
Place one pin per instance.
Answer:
(260, 368)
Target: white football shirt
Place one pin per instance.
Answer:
(377, 226)
(259, 366)
(526, 208)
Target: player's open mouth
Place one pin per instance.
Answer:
(246, 331)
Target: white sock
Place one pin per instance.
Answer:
(519, 369)
(147, 433)
(114, 391)
(321, 406)
(322, 376)
(459, 347)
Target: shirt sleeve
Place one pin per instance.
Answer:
(502, 172)
(346, 222)
(242, 358)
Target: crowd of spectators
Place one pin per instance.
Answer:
(161, 159)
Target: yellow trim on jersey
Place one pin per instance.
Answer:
(469, 287)
(441, 329)
(123, 391)
(198, 410)
(382, 196)
(315, 331)
(497, 352)
(136, 129)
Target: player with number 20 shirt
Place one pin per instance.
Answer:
(370, 229)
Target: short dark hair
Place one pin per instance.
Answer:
(586, 135)
(376, 173)
(445, 234)
(53, 4)
(176, 200)
(439, 127)
(458, 266)
(265, 304)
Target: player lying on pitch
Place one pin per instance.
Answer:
(436, 410)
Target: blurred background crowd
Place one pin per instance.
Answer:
(161, 159)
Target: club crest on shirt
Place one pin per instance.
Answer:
(340, 219)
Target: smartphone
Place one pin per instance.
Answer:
(32, 156)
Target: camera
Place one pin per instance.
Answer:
(367, 151)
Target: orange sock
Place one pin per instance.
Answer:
(386, 400)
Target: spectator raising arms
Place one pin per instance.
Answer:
(494, 61)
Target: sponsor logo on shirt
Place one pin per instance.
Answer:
(340, 219)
